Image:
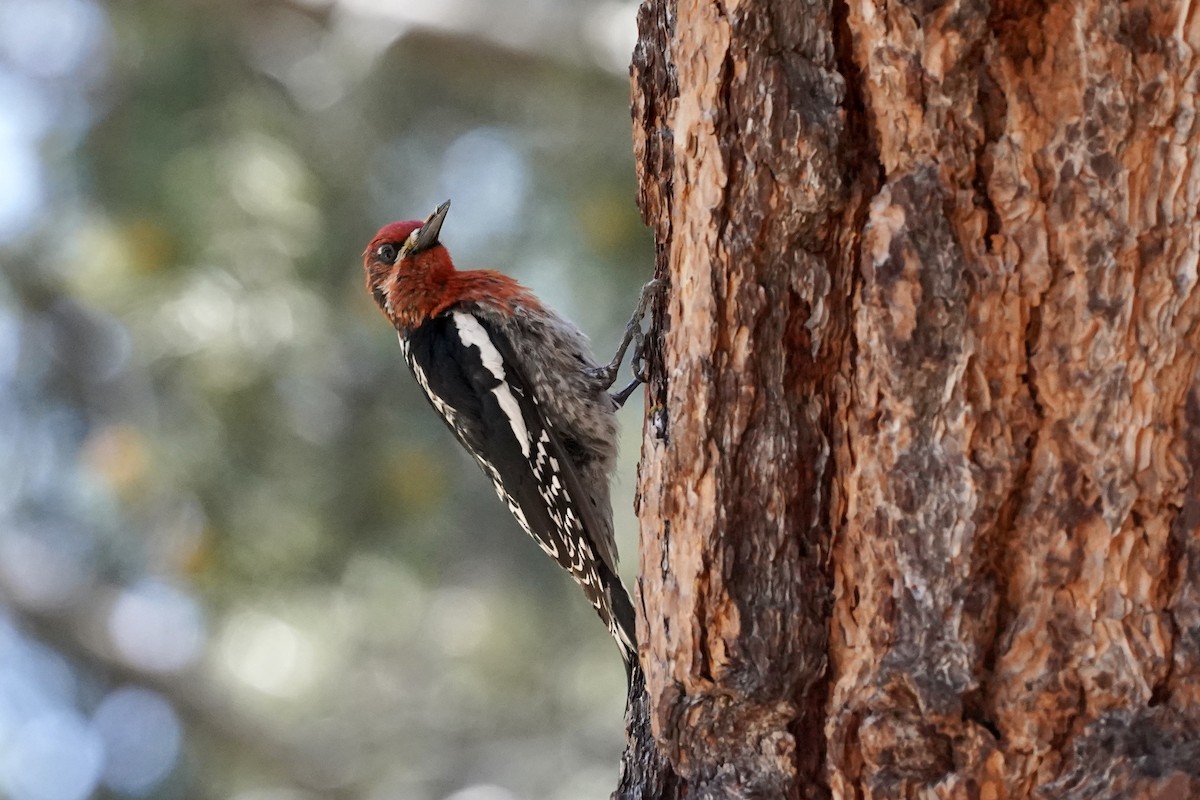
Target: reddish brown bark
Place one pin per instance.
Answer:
(736, 465)
(919, 490)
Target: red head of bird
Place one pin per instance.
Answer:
(412, 278)
(408, 268)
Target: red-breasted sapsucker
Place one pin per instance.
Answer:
(518, 386)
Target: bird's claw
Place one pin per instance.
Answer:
(606, 375)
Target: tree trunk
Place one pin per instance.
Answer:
(919, 497)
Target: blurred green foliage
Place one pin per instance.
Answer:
(226, 506)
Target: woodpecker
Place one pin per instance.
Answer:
(518, 386)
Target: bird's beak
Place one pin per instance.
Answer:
(427, 236)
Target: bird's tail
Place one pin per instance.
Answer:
(623, 624)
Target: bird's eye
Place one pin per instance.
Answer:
(386, 252)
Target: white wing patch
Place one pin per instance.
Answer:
(473, 334)
(440, 405)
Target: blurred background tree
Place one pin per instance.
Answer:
(239, 556)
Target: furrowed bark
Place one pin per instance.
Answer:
(738, 134)
(919, 495)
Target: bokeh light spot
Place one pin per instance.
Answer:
(487, 177)
(26, 113)
(611, 28)
(157, 627)
(206, 311)
(22, 190)
(10, 346)
(269, 181)
(54, 756)
(52, 37)
(267, 653)
(141, 735)
(45, 567)
(117, 453)
(33, 679)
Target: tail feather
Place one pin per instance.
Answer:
(623, 622)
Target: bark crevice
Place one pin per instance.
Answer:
(932, 275)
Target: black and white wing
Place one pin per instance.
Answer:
(467, 370)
